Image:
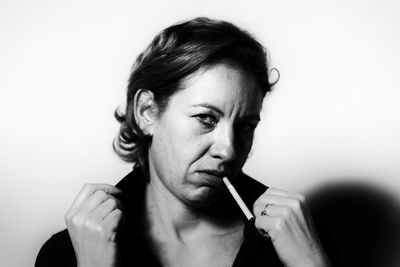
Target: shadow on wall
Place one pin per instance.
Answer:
(359, 225)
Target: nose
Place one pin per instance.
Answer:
(223, 146)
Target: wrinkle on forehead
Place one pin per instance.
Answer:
(227, 87)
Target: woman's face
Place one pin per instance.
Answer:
(205, 133)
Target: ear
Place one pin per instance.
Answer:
(145, 111)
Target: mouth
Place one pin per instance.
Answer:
(211, 177)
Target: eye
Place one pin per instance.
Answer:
(208, 120)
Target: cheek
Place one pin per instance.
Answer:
(243, 146)
(178, 144)
(165, 149)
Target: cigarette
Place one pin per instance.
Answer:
(238, 199)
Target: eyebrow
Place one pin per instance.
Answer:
(217, 110)
(205, 105)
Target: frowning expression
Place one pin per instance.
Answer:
(205, 133)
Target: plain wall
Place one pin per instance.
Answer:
(64, 65)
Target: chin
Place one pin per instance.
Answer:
(204, 197)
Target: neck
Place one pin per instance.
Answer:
(176, 220)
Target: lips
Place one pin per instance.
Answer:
(211, 177)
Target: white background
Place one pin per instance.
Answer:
(64, 65)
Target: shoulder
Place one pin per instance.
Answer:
(56, 251)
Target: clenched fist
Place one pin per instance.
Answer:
(284, 217)
(93, 221)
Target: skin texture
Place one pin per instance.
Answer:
(205, 133)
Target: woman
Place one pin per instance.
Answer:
(193, 103)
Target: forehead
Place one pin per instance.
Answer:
(229, 88)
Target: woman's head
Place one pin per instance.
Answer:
(171, 58)
(204, 133)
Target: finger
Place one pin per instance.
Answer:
(258, 208)
(95, 200)
(102, 211)
(265, 199)
(265, 225)
(88, 189)
(268, 199)
(284, 193)
(113, 220)
(265, 210)
(277, 211)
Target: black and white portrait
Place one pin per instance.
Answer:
(218, 133)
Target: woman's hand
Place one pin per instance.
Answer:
(92, 221)
(284, 217)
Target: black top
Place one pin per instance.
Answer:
(254, 251)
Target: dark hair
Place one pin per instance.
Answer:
(173, 55)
